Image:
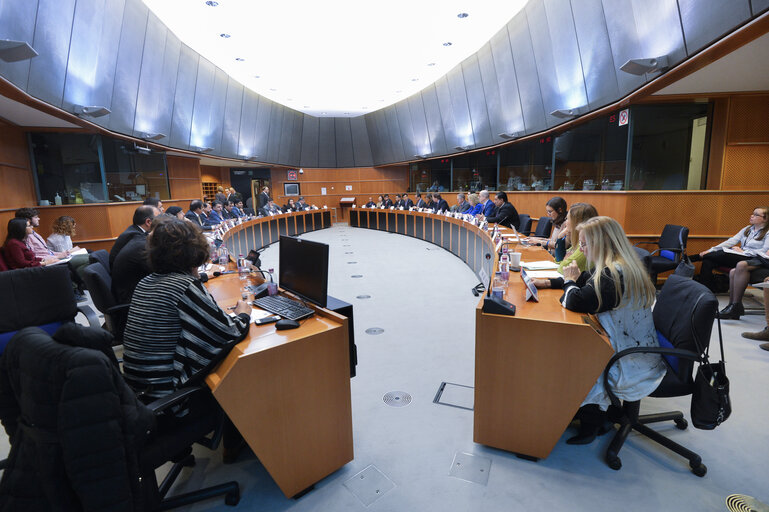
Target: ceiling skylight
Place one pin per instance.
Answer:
(335, 57)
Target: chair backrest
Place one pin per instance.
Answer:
(36, 296)
(672, 242)
(684, 315)
(524, 223)
(99, 284)
(100, 256)
(3, 266)
(544, 226)
(645, 257)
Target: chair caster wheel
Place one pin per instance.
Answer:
(700, 470)
(613, 462)
(232, 498)
(681, 424)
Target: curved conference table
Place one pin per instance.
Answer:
(532, 370)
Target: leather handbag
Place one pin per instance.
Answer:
(711, 404)
(685, 267)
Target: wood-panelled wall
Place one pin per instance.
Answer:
(214, 174)
(365, 182)
(17, 186)
(184, 177)
(746, 145)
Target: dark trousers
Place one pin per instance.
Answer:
(715, 259)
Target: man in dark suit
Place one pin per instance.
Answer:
(421, 203)
(398, 201)
(142, 221)
(387, 202)
(196, 214)
(487, 204)
(132, 265)
(216, 216)
(371, 203)
(263, 198)
(505, 213)
(462, 205)
(441, 205)
(227, 212)
(407, 203)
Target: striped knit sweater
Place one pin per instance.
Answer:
(175, 333)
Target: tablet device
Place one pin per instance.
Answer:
(531, 290)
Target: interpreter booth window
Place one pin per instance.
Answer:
(526, 165)
(432, 176)
(670, 146)
(67, 168)
(592, 156)
(132, 173)
(419, 176)
(475, 171)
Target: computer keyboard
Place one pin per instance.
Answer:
(283, 306)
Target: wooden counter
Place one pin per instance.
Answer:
(258, 233)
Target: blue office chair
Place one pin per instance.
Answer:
(683, 315)
(544, 226)
(671, 245)
(524, 224)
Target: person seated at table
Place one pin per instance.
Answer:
(34, 241)
(290, 206)
(440, 205)
(196, 215)
(131, 264)
(407, 203)
(380, 202)
(272, 208)
(618, 291)
(15, 252)
(154, 201)
(387, 202)
(505, 213)
(739, 279)
(227, 211)
(746, 244)
(761, 275)
(462, 205)
(421, 203)
(175, 211)
(301, 204)
(556, 210)
(63, 230)
(371, 203)
(244, 210)
(176, 333)
(142, 219)
(430, 201)
(215, 216)
(487, 205)
(475, 205)
(398, 201)
(237, 211)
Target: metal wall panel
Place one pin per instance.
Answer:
(343, 140)
(201, 111)
(184, 97)
(386, 146)
(623, 41)
(17, 22)
(476, 101)
(291, 140)
(395, 134)
(599, 70)
(707, 20)
(247, 131)
(509, 113)
(361, 145)
(446, 110)
(407, 131)
(434, 121)
(262, 133)
(376, 141)
(216, 114)
(48, 70)
(422, 144)
(326, 144)
(758, 6)
(309, 155)
(127, 69)
(460, 110)
(532, 108)
(90, 73)
(490, 83)
(276, 131)
(659, 26)
(157, 82)
(233, 108)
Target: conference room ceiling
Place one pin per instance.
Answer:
(338, 58)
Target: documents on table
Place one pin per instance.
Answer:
(544, 274)
(539, 265)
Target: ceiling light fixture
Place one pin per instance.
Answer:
(447, 43)
(422, 156)
(239, 59)
(225, 36)
(200, 149)
(642, 66)
(415, 79)
(273, 90)
(431, 64)
(152, 136)
(462, 15)
(511, 135)
(257, 76)
(92, 110)
(564, 113)
(212, 3)
(144, 150)
(14, 51)
(463, 148)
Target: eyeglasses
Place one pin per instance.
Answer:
(757, 215)
(582, 245)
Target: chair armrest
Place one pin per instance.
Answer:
(162, 404)
(118, 308)
(655, 242)
(90, 315)
(664, 351)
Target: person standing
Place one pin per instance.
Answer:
(263, 198)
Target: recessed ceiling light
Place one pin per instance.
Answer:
(397, 92)
(347, 113)
(306, 106)
(239, 59)
(462, 15)
(431, 64)
(414, 79)
(381, 100)
(225, 36)
(447, 43)
(323, 113)
(212, 3)
(273, 90)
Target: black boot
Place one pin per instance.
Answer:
(732, 311)
(592, 423)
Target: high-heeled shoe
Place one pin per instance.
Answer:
(588, 432)
(733, 311)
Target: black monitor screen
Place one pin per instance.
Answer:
(303, 269)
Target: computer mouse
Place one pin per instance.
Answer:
(284, 324)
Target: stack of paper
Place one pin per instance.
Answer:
(544, 274)
(539, 265)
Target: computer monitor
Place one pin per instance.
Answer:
(303, 269)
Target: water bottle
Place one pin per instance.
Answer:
(242, 268)
(224, 256)
(272, 287)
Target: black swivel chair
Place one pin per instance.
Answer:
(683, 315)
(525, 224)
(671, 245)
(100, 256)
(99, 284)
(544, 227)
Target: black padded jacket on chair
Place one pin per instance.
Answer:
(75, 427)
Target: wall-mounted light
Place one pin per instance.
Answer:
(253, 158)
(200, 149)
(642, 66)
(462, 148)
(511, 135)
(14, 51)
(569, 112)
(142, 149)
(91, 110)
(152, 136)
(423, 157)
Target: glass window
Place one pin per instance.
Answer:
(475, 171)
(526, 165)
(670, 144)
(67, 164)
(431, 175)
(133, 175)
(591, 156)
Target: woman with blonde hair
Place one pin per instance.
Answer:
(619, 292)
(475, 204)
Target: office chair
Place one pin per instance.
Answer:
(99, 284)
(683, 315)
(670, 246)
(544, 226)
(645, 257)
(525, 224)
(84, 440)
(3, 266)
(100, 256)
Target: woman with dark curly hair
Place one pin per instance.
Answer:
(175, 332)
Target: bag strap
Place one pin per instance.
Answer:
(706, 352)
